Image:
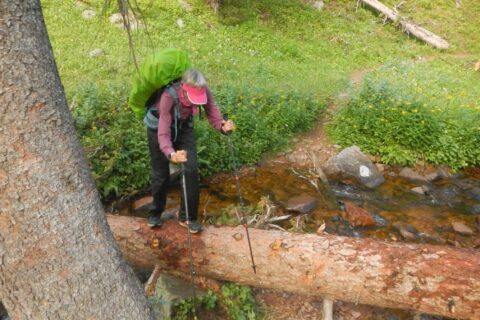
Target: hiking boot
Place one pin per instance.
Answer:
(195, 226)
(154, 221)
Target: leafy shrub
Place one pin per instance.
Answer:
(187, 307)
(408, 111)
(265, 121)
(115, 142)
(238, 302)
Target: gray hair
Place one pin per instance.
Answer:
(194, 77)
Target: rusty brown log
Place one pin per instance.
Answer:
(431, 279)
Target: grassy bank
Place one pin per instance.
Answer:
(408, 111)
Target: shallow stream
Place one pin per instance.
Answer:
(399, 213)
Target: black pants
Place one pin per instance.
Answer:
(161, 171)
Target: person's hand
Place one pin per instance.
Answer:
(228, 126)
(179, 156)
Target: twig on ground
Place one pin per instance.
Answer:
(271, 225)
(281, 218)
(313, 182)
(206, 205)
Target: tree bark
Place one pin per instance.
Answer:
(410, 28)
(58, 258)
(431, 279)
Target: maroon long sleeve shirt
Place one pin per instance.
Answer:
(166, 116)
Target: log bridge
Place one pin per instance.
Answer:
(430, 279)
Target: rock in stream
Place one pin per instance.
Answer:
(352, 164)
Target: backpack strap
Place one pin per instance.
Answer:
(171, 89)
(151, 115)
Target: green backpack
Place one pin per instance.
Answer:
(154, 75)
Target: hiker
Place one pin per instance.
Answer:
(174, 141)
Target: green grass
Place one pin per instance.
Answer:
(407, 111)
(271, 44)
(460, 26)
(264, 51)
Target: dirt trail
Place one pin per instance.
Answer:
(317, 141)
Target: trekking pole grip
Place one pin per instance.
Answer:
(225, 117)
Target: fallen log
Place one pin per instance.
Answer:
(430, 279)
(410, 28)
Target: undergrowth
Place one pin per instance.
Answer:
(235, 301)
(407, 111)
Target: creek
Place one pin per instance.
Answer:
(399, 213)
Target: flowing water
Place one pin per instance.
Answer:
(394, 207)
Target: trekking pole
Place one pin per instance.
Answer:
(240, 199)
(192, 269)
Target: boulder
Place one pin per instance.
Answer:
(418, 190)
(408, 232)
(358, 217)
(461, 228)
(412, 176)
(351, 163)
(169, 292)
(438, 174)
(380, 221)
(302, 204)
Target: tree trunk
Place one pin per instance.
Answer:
(410, 28)
(58, 258)
(431, 279)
